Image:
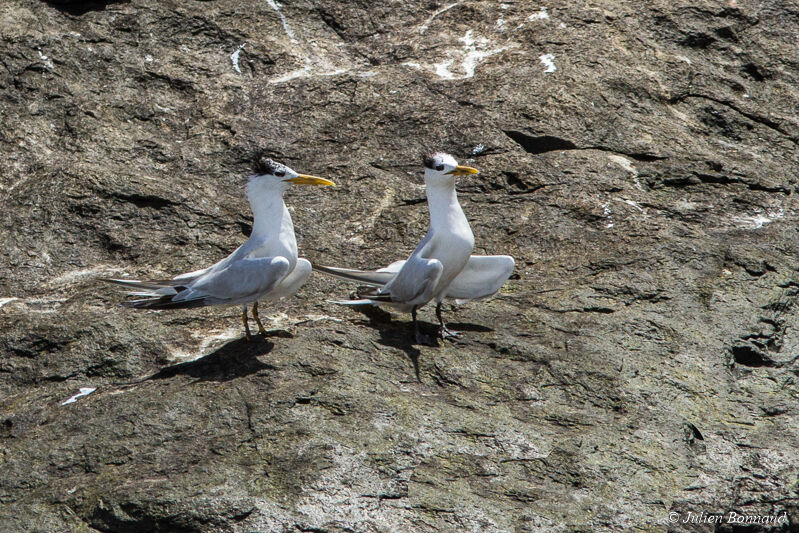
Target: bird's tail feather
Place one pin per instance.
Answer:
(352, 302)
(157, 294)
(165, 302)
(366, 296)
(376, 279)
(153, 287)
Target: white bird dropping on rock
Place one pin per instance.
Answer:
(549, 62)
(84, 391)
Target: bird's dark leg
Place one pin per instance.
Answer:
(419, 337)
(244, 321)
(257, 318)
(443, 331)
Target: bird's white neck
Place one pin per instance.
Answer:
(272, 223)
(445, 210)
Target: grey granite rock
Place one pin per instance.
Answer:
(638, 159)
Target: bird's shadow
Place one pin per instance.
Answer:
(401, 335)
(393, 334)
(468, 326)
(236, 359)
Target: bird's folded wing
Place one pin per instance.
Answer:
(240, 279)
(293, 280)
(415, 281)
(239, 282)
(367, 277)
(482, 276)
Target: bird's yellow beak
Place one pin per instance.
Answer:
(463, 171)
(305, 179)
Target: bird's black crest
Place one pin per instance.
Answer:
(429, 160)
(264, 165)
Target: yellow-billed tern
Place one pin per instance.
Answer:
(441, 266)
(266, 267)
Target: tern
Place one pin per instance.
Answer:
(265, 267)
(442, 265)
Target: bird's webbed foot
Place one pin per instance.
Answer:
(445, 333)
(257, 318)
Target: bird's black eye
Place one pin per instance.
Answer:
(280, 173)
(440, 167)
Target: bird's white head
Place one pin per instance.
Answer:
(441, 168)
(270, 174)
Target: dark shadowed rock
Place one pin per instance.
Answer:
(637, 159)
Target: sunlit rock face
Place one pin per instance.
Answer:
(636, 159)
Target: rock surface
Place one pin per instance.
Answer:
(638, 159)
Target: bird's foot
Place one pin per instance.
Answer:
(446, 333)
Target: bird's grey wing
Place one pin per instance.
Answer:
(482, 276)
(236, 283)
(423, 249)
(167, 287)
(240, 279)
(293, 280)
(415, 282)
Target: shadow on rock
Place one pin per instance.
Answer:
(394, 334)
(468, 326)
(235, 359)
(80, 7)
